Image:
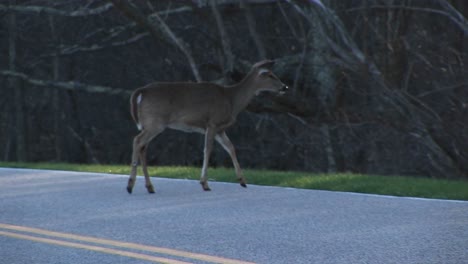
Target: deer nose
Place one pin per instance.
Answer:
(283, 89)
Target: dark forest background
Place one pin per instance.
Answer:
(377, 86)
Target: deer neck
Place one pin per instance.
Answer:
(242, 93)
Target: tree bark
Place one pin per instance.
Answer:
(56, 96)
(327, 141)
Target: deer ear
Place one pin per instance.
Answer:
(263, 72)
(265, 64)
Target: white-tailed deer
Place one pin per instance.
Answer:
(203, 107)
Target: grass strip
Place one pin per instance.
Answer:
(348, 182)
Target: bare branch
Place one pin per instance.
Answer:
(173, 11)
(451, 13)
(136, 16)
(181, 45)
(443, 89)
(70, 85)
(69, 50)
(155, 30)
(85, 143)
(53, 11)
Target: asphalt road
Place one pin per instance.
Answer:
(69, 217)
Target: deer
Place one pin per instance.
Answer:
(202, 107)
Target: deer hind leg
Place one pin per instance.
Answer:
(148, 184)
(209, 136)
(223, 139)
(133, 172)
(140, 143)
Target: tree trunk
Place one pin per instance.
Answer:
(21, 153)
(56, 98)
(324, 75)
(330, 152)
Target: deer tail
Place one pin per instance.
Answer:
(135, 100)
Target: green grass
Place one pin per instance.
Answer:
(388, 185)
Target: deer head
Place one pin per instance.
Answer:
(266, 80)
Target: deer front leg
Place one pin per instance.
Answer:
(209, 136)
(223, 139)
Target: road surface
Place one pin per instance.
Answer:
(71, 217)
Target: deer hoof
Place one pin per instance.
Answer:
(150, 189)
(242, 182)
(130, 185)
(205, 186)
